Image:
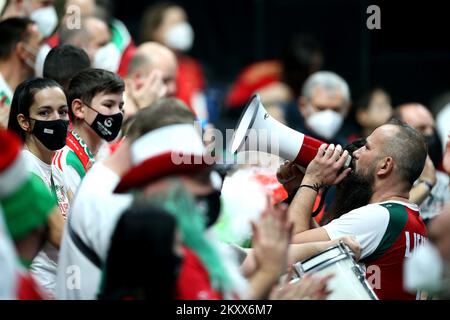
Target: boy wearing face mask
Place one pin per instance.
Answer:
(95, 99)
(19, 43)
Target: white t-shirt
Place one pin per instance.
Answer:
(368, 224)
(43, 267)
(93, 217)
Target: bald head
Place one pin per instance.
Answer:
(417, 116)
(406, 146)
(150, 56)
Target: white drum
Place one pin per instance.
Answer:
(348, 283)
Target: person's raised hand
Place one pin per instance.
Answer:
(326, 168)
(290, 176)
(271, 237)
(310, 287)
(151, 90)
(429, 172)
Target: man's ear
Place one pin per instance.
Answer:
(21, 51)
(78, 109)
(24, 123)
(385, 166)
(302, 106)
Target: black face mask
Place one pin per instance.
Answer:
(434, 148)
(52, 134)
(107, 127)
(210, 204)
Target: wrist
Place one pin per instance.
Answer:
(427, 183)
(311, 181)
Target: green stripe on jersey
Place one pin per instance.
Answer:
(73, 161)
(28, 208)
(398, 216)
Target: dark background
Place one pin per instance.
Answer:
(409, 56)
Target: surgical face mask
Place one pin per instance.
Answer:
(52, 134)
(424, 270)
(46, 20)
(107, 58)
(106, 127)
(40, 59)
(325, 123)
(31, 62)
(180, 37)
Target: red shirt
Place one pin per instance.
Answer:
(193, 281)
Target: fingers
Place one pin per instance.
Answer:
(341, 158)
(255, 232)
(321, 151)
(342, 176)
(329, 151)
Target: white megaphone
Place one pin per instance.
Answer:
(292, 145)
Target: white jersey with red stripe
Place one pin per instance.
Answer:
(388, 232)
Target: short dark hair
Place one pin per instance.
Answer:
(86, 84)
(409, 149)
(161, 113)
(23, 99)
(63, 62)
(12, 31)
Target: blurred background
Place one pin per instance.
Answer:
(409, 56)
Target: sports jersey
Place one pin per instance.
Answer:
(43, 267)
(388, 232)
(72, 162)
(94, 215)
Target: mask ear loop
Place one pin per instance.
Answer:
(92, 110)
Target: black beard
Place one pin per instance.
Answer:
(353, 192)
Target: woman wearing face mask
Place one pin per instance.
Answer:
(167, 23)
(95, 99)
(39, 116)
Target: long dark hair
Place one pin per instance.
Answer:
(141, 262)
(23, 99)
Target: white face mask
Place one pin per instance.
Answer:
(46, 20)
(180, 37)
(31, 62)
(424, 270)
(40, 59)
(325, 123)
(107, 58)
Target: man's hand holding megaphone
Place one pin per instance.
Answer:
(325, 169)
(290, 176)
